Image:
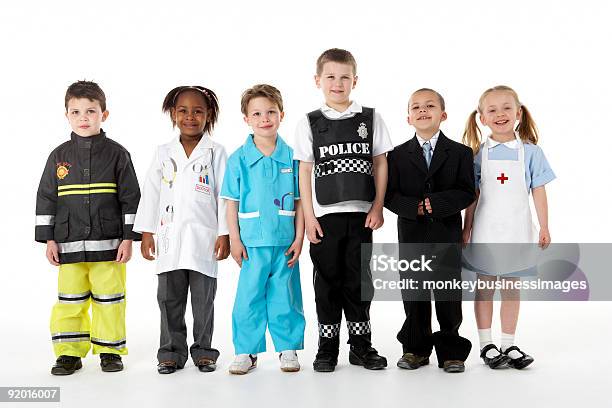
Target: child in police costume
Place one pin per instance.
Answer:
(508, 167)
(85, 208)
(266, 230)
(180, 206)
(430, 182)
(343, 176)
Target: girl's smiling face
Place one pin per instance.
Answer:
(499, 112)
(190, 113)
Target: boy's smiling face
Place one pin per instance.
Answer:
(425, 113)
(337, 80)
(85, 116)
(263, 116)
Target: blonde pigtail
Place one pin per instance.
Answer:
(472, 134)
(527, 129)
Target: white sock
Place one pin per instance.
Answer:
(507, 341)
(484, 335)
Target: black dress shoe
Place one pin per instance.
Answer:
(206, 365)
(499, 361)
(367, 357)
(167, 367)
(66, 365)
(410, 361)
(325, 362)
(110, 362)
(519, 363)
(453, 366)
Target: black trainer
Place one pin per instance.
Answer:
(367, 357)
(110, 362)
(325, 362)
(66, 365)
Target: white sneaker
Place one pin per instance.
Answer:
(289, 361)
(243, 364)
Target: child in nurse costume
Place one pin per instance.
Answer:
(508, 166)
(266, 227)
(180, 206)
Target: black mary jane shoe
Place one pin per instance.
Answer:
(66, 365)
(499, 361)
(519, 363)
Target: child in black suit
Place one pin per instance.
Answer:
(431, 180)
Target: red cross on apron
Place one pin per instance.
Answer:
(502, 178)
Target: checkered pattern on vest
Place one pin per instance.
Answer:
(343, 166)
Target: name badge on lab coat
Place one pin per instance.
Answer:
(202, 185)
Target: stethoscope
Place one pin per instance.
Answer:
(281, 203)
(169, 171)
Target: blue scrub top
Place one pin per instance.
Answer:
(265, 188)
(537, 170)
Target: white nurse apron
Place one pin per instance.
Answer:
(503, 216)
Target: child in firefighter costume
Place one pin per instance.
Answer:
(85, 208)
(341, 148)
(180, 205)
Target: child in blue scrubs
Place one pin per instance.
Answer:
(266, 226)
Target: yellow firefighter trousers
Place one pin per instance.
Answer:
(79, 284)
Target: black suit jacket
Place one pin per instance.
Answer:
(448, 183)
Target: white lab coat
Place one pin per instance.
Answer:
(180, 204)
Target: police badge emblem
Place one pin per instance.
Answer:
(362, 131)
(63, 169)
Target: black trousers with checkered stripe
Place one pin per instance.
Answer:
(339, 283)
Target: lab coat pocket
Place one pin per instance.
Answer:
(60, 232)
(250, 225)
(199, 242)
(286, 224)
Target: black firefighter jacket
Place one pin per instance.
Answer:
(87, 199)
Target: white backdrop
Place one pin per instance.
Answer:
(555, 54)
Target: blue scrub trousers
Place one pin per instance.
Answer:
(269, 294)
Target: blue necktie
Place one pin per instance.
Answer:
(427, 153)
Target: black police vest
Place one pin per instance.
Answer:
(343, 157)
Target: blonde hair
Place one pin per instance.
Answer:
(527, 129)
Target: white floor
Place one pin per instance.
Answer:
(570, 342)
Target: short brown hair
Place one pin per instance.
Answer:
(261, 91)
(336, 55)
(440, 98)
(85, 89)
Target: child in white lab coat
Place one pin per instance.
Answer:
(180, 206)
(508, 166)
